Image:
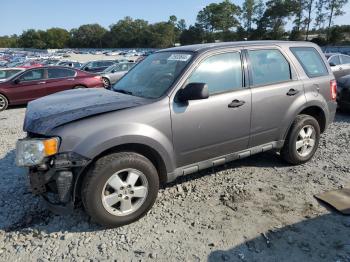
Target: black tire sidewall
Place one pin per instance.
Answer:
(304, 121)
(92, 198)
(6, 103)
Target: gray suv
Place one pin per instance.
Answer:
(179, 111)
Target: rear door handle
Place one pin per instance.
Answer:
(236, 103)
(292, 92)
(40, 83)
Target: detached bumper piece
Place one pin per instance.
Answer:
(55, 181)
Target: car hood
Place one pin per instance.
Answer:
(46, 113)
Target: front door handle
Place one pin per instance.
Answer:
(236, 103)
(40, 83)
(292, 92)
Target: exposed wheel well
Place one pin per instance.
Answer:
(318, 114)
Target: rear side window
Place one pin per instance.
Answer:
(60, 73)
(268, 67)
(335, 60)
(310, 60)
(221, 73)
(345, 59)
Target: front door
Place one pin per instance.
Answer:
(219, 125)
(29, 86)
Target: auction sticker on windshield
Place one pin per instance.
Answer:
(179, 57)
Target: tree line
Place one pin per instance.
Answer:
(225, 21)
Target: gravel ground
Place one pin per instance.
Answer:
(256, 209)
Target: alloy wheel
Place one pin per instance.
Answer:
(125, 192)
(306, 141)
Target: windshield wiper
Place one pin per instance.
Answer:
(123, 91)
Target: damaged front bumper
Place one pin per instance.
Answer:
(56, 180)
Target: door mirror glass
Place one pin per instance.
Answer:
(87, 68)
(17, 81)
(193, 91)
(332, 64)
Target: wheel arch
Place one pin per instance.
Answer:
(145, 150)
(313, 110)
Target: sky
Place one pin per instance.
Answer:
(19, 15)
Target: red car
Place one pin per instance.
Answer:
(38, 82)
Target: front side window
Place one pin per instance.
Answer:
(335, 60)
(222, 73)
(60, 73)
(310, 60)
(268, 67)
(33, 75)
(345, 59)
(152, 77)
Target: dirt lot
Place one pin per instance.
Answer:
(257, 209)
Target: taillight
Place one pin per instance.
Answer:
(334, 90)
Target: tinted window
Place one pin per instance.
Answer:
(268, 67)
(345, 59)
(33, 75)
(334, 60)
(310, 60)
(220, 72)
(60, 73)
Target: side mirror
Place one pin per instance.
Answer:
(87, 68)
(332, 64)
(193, 91)
(113, 71)
(17, 81)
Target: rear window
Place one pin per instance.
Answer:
(60, 73)
(310, 60)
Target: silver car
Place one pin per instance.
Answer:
(340, 64)
(113, 73)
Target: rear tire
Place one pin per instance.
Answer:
(302, 140)
(120, 188)
(106, 82)
(4, 103)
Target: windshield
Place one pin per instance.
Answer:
(154, 75)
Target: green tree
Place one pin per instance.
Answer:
(320, 15)
(56, 38)
(307, 21)
(129, 33)
(32, 39)
(89, 35)
(248, 10)
(193, 35)
(219, 17)
(162, 35)
(334, 8)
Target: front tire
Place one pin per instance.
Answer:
(120, 188)
(302, 140)
(3, 103)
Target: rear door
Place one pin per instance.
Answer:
(213, 127)
(59, 79)
(275, 88)
(30, 86)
